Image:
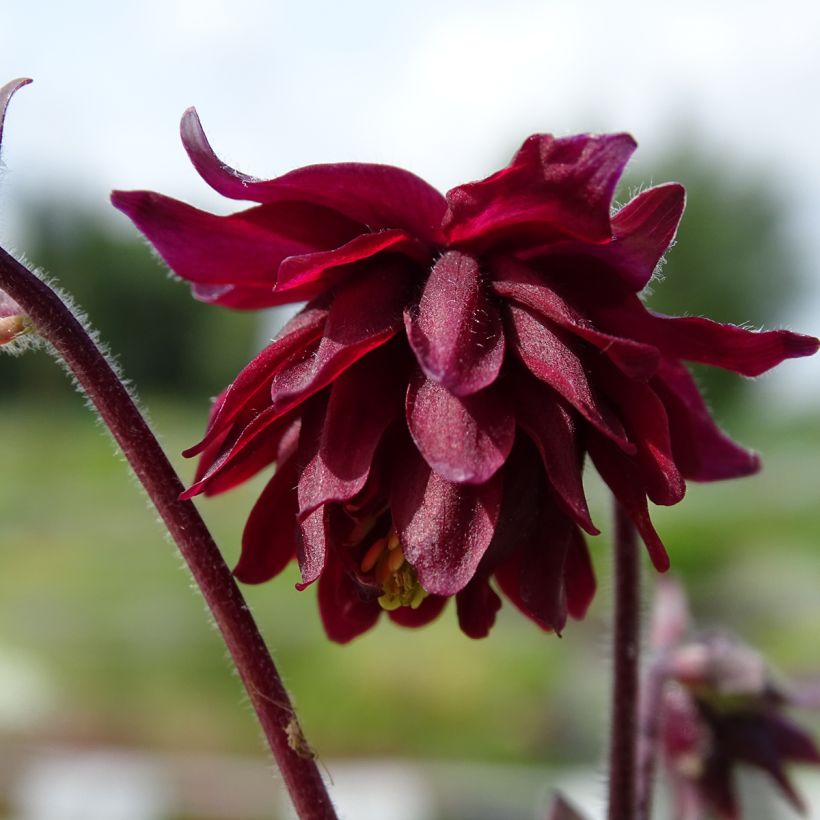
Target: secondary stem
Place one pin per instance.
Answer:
(58, 325)
(622, 760)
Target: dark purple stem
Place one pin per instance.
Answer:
(622, 754)
(58, 325)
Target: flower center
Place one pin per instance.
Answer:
(397, 579)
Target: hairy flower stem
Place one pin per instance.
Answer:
(58, 325)
(623, 744)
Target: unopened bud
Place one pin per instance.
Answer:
(13, 326)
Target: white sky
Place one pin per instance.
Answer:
(447, 89)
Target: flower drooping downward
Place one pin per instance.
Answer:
(430, 410)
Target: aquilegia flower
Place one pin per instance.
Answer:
(721, 709)
(430, 409)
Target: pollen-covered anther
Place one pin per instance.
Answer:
(397, 579)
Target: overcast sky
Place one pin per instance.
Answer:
(445, 88)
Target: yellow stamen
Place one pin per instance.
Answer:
(395, 559)
(393, 540)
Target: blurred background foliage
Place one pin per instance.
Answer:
(103, 641)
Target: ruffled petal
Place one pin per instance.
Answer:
(6, 93)
(747, 352)
(456, 331)
(345, 614)
(534, 579)
(364, 401)
(366, 312)
(313, 273)
(231, 260)
(643, 230)
(545, 354)
(270, 532)
(464, 439)
(552, 428)
(702, 451)
(579, 577)
(251, 388)
(563, 186)
(477, 605)
(378, 196)
(428, 610)
(523, 285)
(644, 416)
(312, 545)
(444, 528)
(621, 475)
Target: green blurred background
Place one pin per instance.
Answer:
(103, 642)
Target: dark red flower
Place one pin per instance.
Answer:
(430, 410)
(723, 709)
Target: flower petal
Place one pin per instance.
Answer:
(251, 388)
(534, 578)
(6, 93)
(379, 196)
(444, 528)
(428, 610)
(552, 428)
(621, 475)
(579, 577)
(312, 545)
(477, 605)
(702, 450)
(464, 439)
(345, 614)
(270, 532)
(456, 332)
(562, 185)
(523, 285)
(644, 417)
(643, 230)
(545, 354)
(366, 312)
(364, 401)
(232, 260)
(319, 271)
(747, 352)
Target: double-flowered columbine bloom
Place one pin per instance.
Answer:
(430, 409)
(721, 709)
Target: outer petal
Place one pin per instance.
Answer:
(643, 230)
(534, 579)
(429, 609)
(545, 354)
(747, 352)
(364, 400)
(621, 474)
(579, 577)
(477, 605)
(345, 614)
(465, 440)
(644, 417)
(379, 196)
(444, 528)
(456, 332)
(270, 533)
(366, 312)
(316, 272)
(701, 449)
(563, 186)
(552, 428)
(6, 93)
(526, 287)
(232, 260)
(251, 389)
